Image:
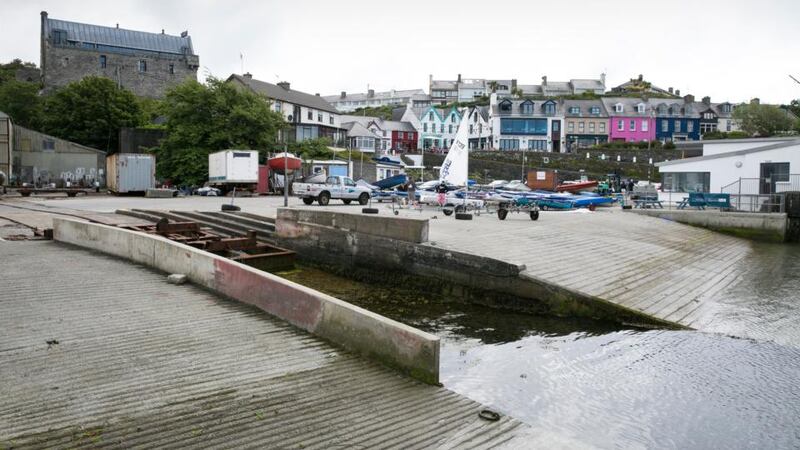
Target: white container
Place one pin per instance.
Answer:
(131, 172)
(233, 167)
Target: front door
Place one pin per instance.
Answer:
(772, 173)
(555, 136)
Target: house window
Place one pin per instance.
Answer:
(708, 116)
(424, 127)
(581, 127)
(591, 127)
(574, 110)
(640, 108)
(142, 65)
(549, 109)
(645, 125)
(277, 106)
(102, 61)
(595, 110)
(620, 125)
(505, 106)
(602, 127)
(537, 144)
(509, 144)
(664, 125)
(450, 129)
(441, 128)
(310, 115)
(319, 117)
(689, 126)
(527, 108)
(59, 37)
(618, 107)
(172, 69)
(677, 126)
(430, 116)
(728, 125)
(470, 128)
(453, 118)
(633, 125)
(330, 119)
(571, 127)
(48, 145)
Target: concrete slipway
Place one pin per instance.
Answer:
(99, 352)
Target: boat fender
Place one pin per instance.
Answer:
(488, 414)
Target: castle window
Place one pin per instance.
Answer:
(172, 69)
(102, 61)
(142, 65)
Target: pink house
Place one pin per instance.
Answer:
(630, 119)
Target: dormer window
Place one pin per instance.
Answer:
(662, 109)
(505, 106)
(726, 107)
(594, 110)
(549, 108)
(430, 116)
(574, 110)
(640, 108)
(526, 107)
(618, 107)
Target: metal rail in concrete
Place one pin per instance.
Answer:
(99, 352)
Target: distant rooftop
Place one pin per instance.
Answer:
(284, 93)
(82, 34)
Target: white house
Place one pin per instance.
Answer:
(766, 166)
(345, 102)
(436, 127)
(535, 125)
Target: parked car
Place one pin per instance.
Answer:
(335, 187)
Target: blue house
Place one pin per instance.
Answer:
(677, 120)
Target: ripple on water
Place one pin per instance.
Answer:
(673, 389)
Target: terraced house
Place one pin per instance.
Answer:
(145, 63)
(436, 127)
(630, 119)
(677, 120)
(586, 123)
(527, 124)
(309, 116)
(345, 102)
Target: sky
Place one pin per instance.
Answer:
(730, 50)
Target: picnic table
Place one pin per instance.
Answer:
(701, 200)
(647, 203)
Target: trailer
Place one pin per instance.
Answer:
(230, 169)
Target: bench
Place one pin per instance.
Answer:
(647, 203)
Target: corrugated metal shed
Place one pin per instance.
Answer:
(120, 37)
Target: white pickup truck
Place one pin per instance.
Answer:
(335, 187)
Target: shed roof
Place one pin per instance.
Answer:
(746, 151)
(121, 37)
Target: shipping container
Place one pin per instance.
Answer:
(130, 172)
(233, 168)
(542, 179)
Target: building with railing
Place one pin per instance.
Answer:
(755, 172)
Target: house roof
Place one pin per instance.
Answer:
(770, 146)
(584, 106)
(444, 85)
(276, 92)
(581, 83)
(120, 37)
(389, 125)
(517, 103)
(361, 96)
(355, 129)
(531, 89)
(628, 105)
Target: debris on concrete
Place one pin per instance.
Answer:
(177, 278)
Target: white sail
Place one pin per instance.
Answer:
(456, 164)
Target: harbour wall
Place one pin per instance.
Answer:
(770, 227)
(356, 329)
(403, 257)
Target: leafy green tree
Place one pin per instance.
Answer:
(204, 118)
(762, 120)
(22, 102)
(91, 112)
(384, 112)
(8, 71)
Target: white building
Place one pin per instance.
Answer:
(345, 102)
(436, 127)
(527, 124)
(765, 166)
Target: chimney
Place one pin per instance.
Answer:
(755, 101)
(707, 100)
(689, 98)
(117, 25)
(459, 78)
(317, 94)
(162, 31)
(544, 80)
(344, 95)
(248, 76)
(430, 82)
(678, 92)
(371, 93)
(670, 89)
(284, 84)
(603, 80)
(641, 78)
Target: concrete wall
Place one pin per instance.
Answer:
(354, 328)
(401, 229)
(765, 227)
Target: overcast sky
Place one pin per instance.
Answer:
(730, 50)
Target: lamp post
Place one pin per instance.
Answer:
(285, 177)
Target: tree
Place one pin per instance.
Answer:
(8, 71)
(204, 118)
(22, 102)
(493, 86)
(91, 112)
(762, 120)
(517, 92)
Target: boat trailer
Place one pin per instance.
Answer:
(246, 249)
